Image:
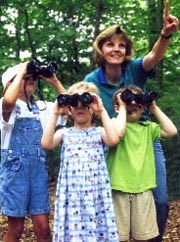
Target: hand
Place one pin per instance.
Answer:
(21, 70)
(61, 110)
(52, 79)
(152, 106)
(170, 22)
(120, 102)
(97, 104)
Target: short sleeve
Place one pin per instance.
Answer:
(156, 131)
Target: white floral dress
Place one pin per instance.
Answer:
(83, 207)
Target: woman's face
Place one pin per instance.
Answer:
(114, 50)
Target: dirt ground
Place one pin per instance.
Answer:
(172, 230)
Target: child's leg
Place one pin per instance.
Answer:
(143, 216)
(122, 213)
(15, 229)
(41, 227)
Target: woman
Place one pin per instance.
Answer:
(113, 54)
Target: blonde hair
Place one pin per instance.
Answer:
(82, 85)
(106, 35)
(132, 88)
(85, 87)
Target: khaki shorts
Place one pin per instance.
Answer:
(135, 215)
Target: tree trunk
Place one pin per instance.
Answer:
(155, 26)
(98, 16)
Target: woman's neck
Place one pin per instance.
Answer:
(113, 73)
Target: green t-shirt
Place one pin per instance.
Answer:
(131, 163)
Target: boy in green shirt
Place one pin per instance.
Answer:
(132, 168)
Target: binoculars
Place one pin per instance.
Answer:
(35, 68)
(72, 100)
(144, 99)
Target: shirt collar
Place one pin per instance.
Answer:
(101, 76)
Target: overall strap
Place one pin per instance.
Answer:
(34, 108)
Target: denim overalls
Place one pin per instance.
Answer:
(24, 186)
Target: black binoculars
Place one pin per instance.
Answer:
(35, 68)
(72, 100)
(144, 99)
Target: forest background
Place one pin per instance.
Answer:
(63, 31)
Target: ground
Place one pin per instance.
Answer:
(172, 230)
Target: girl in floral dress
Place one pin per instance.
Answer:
(83, 207)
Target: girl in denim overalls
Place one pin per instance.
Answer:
(23, 172)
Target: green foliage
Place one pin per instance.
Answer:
(53, 161)
(169, 101)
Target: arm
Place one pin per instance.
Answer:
(161, 45)
(50, 138)
(120, 121)
(57, 85)
(12, 93)
(108, 132)
(168, 129)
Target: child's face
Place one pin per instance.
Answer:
(29, 83)
(134, 110)
(81, 115)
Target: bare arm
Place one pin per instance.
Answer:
(120, 121)
(158, 51)
(54, 81)
(108, 132)
(168, 129)
(12, 93)
(51, 138)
